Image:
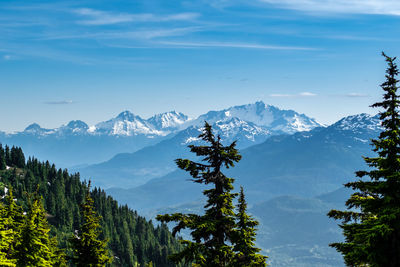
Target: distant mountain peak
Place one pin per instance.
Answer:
(77, 124)
(74, 127)
(35, 129)
(126, 116)
(168, 120)
(250, 118)
(32, 127)
(357, 122)
(260, 114)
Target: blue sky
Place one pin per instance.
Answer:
(89, 60)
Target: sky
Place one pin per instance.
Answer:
(90, 60)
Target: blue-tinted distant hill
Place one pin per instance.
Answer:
(290, 181)
(248, 125)
(304, 164)
(77, 144)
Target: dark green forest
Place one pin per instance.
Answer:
(132, 240)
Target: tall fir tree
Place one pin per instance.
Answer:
(247, 254)
(88, 249)
(35, 247)
(212, 233)
(8, 155)
(13, 218)
(2, 158)
(371, 225)
(7, 237)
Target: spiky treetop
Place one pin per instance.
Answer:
(215, 232)
(88, 249)
(371, 225)
(247, 254)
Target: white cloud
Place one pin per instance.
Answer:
(235, 45)
(383, 7)
(307, 94)
(302, 94)
(356, 95)
(138, 34)
(7, 57)
(62, 102)
(281, 95)
(98, 17)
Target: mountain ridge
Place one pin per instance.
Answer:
(76, 143)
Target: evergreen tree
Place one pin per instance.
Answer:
(8, 155)
(214, 232)
(2, 158)
(19, 158)
(371, 225)
(246, 253)
(88, 249)
(133, 241)
(7, 236)
(35, 247)
(13, 219)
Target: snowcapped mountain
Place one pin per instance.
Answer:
(133, 169)
(76, 127)
(128, 124)
(277, 121)
(77, 143)
(168, 121)
(234, 129)
(252, 119)
(125, 124)
(35, 129)
(359, 122)
(284, 176)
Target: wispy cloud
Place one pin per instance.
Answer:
(234, 45)
(356, 95)
(352, 37)
(62, 102)
(302, 94)
(148, 33)
(382, 7)
(98, 17)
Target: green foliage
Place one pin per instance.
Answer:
(371, 225)
(35, 247)
(2, 158)
(214, 234)
(13, 157)
(88, 249)
(11, 218)
(133, 240)
(244, 238)
(7, 237)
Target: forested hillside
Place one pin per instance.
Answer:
(133, 240)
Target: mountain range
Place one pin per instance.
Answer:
(293, 168)
(290, 181)
(77, 143)
(248, 125)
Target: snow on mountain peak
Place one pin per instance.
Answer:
(275, 119)
(359, 122)
(126, 116)
(35, 129)
(246, 118)
(235, 129)
(125, 124)
(168, 120)
(75, 126)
